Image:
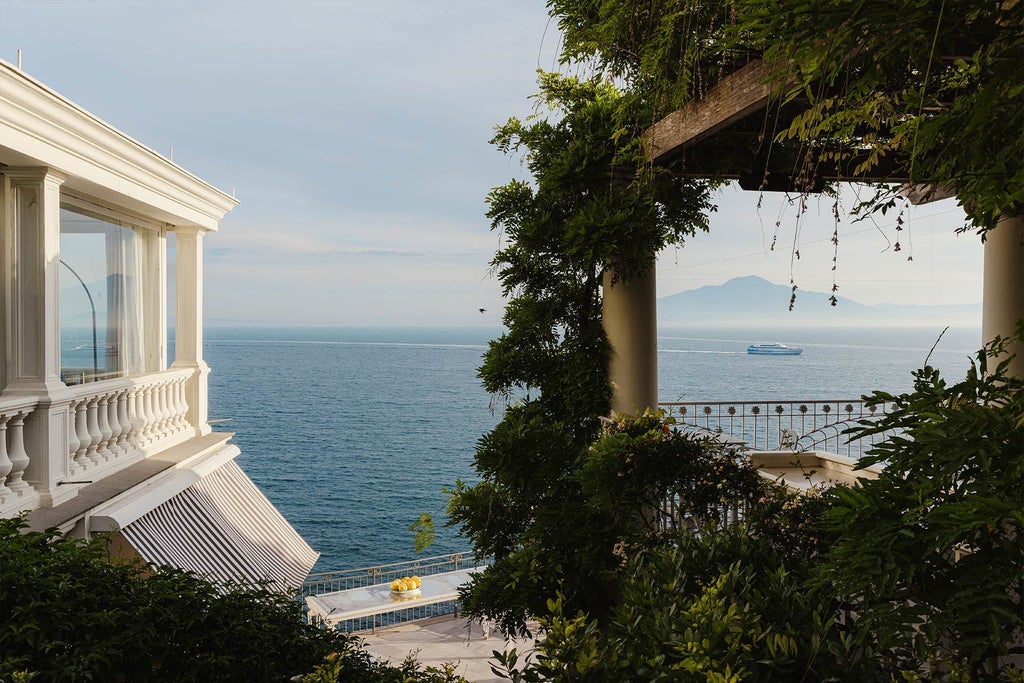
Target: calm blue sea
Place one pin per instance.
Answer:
(354, 432)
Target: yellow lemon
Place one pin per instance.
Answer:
(394, 585)
(416, 581)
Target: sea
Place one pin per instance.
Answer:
(354, 432)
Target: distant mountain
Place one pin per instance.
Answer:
(752, 300)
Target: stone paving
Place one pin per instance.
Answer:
(441, 640)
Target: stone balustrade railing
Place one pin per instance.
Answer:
(15, 492)
(110, 425)
(126, 419)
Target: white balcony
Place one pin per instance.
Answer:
(110, 425)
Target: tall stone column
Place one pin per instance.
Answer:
(32, 236)
(1003, 288)
(631, 325)
(188, 325)
(34, 213)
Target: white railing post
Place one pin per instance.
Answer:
(74, 466)
(148, 416)
(124, 423)
(93, 429)
(135, 415)
(16, 454)
(82, 432)
(104, 426)
(5, 460)
(115, 426)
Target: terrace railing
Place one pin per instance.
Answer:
(329, 582)
(123, 420)
(110, 424)
(15, 493)
(780, 425)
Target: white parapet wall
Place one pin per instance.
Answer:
(807, 470)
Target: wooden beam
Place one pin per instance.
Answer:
(735, 97)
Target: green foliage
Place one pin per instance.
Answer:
(929, 557)
(729, 604)
(668, 51)
(423, 531)
(931, 554)
(591, 203)
(69, 614)
(356, 665)
(589, 516)
(916, 575)
(931, 90)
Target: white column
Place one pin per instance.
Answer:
(1003, 290)
(6, 277)
(188, 326)
(154, 305)
(631, 325)
(32, 214)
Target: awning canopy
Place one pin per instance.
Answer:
(224, 528)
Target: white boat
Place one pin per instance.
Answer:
(774, 350)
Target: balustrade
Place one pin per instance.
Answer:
(780, 425)
(13, 456)
(124, 419)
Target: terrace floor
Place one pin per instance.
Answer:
(441, 640)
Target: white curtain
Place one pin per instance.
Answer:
(125, 329)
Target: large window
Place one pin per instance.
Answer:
(101, 299)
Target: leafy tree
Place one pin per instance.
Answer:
(915, 575)
(591, 203)
(726, 604)
(931, 554)
(67, 613)
(928, 90)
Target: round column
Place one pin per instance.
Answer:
(1003, 291)
(631, 325)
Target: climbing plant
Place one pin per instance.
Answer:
(930, 90)
(588, 202)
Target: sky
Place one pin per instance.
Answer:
(355, 135)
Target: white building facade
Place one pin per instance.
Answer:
(99, 433)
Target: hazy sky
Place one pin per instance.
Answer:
(355, 133)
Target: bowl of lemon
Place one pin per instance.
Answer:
(406, 587)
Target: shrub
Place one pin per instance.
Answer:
(67, 613)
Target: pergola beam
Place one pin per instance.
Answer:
(734, 98)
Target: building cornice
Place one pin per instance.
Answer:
(40, 127)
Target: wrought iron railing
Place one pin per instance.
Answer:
(780, 425)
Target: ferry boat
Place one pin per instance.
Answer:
(774, 350)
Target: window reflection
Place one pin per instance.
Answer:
(101, 317)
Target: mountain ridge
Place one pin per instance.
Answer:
(753, 300)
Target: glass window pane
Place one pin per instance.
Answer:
(100, 299)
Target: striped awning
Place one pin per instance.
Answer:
(224, 528)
